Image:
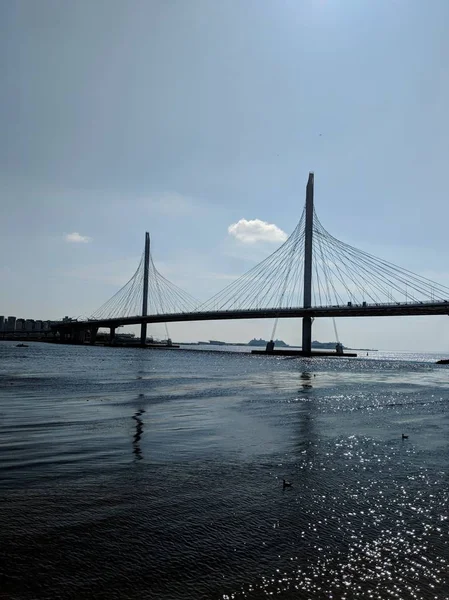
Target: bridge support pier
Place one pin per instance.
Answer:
(112, 335)
(143, 334)
(270, 346)
(307, 336)
(77, 336)
(93, 334)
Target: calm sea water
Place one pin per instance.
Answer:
(128, 473)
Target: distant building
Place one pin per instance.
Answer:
(11, 324)
(20, 324)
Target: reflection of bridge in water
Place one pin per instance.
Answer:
(138, 435)
(311, 275)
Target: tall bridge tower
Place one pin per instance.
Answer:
(308, 257)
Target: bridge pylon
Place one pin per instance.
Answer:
(146, 267)
(308, 256)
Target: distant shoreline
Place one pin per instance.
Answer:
(322, 345)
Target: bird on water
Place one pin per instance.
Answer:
(286, 484)
(404, 437)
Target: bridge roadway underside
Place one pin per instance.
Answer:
(385, 310)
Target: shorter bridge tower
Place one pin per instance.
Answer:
(146, 268)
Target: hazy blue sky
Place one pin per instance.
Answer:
(182, 117)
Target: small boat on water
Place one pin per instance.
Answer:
(443, 361)
(22, 346)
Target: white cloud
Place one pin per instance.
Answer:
(255, 230)
(77, 238)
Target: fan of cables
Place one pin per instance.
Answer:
(341, 274)
(275, 282)
(344, 274)
(163, 296)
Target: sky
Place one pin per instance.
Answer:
(191, 120)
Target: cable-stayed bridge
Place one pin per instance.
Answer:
(311, 275)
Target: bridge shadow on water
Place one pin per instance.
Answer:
(137, 451)
(306, 442)
(306, 380)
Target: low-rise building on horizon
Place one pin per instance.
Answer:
(11, 324)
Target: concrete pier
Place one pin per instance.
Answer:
(300, 353)
(93, 334)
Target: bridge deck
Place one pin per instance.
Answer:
(369, 310)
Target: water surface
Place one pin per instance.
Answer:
(129, 473)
